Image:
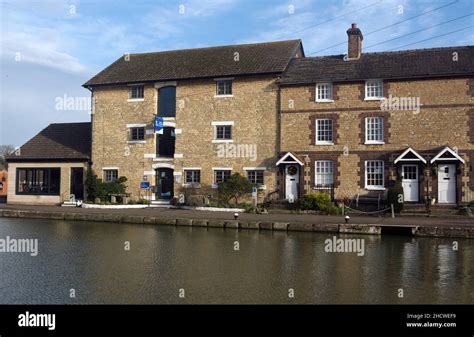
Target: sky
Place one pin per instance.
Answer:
(49, 48)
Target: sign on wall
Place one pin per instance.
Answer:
(159, 125)
(145, 185)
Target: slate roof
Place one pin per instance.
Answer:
(257, 58)
(57, 142)
(421, 63)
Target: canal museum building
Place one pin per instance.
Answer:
(186, 120)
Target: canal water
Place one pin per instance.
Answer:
(176, 265)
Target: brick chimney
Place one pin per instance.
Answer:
(354, 48)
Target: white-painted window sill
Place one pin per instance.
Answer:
(136, 142)
(374, 98)
(135, 100)
(374, 143)
(375, 188)
(324, 101)
(216, 141)
(191, 185)
(223, 96)
(324, 143)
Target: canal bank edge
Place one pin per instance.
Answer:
(460, 231)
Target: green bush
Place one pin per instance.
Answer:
(395, 196)
(143, 202)
(96, 188)
(318, 201)
(234, 188)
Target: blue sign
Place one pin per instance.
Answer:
(145, 185)
(159, 125)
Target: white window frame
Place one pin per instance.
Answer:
(136, 99)
(220, 80)
(325, 162)
(381, 131)
(330, 97)
(374, 98)
(223, 123)
(374, 187)
(324, 142)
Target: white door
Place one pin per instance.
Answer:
(291, 178)
(410, 182)
(447, 183)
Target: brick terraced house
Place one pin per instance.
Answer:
(219, 111)
(358, 122)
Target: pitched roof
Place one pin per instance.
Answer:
(434, 62)
(63, 141)
(257, 58)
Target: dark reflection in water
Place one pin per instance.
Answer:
(90, 258)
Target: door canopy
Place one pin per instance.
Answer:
(289, 158)
(447, 154)
(410, 155)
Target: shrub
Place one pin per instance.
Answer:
(143, 202)
(96, 188)
(317, 201)
(234, 188)
(395, 196)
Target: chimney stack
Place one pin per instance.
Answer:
(354, 48)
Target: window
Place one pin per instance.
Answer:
(136, 92)
(324, 92)
(373, 89)
(374, 174)
(224, 88)
(256, 176)
(167, 102)
(192, 176)
(374, 130)
(223, 132)
(137, 133)
(324, 173)
(110, 175)
(324, 132)
(40, 181)
(221, 176)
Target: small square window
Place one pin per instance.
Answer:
(224, 132)
(224, 87)
(256, 177)
(110, 175)
(136, 92)
(324, 92)
(374, 89)
(137, 133)
(221, 176)
(192, 176)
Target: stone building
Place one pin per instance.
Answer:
(218, 107)
(358, 122)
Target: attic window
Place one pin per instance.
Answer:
(136, 92)
(224, 88)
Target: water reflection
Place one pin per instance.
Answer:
(90, 258)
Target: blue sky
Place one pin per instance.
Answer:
(50, 48)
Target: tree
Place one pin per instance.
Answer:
(4, 151)
(234, 188)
